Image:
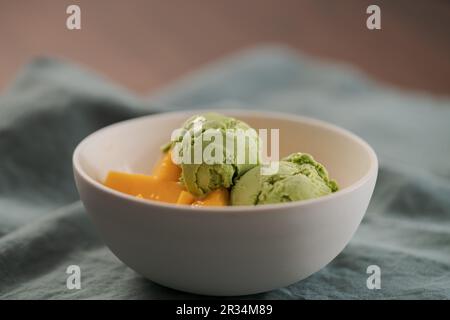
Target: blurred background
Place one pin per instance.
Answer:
(144, 44)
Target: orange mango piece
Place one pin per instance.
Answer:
(218, 197)
(149, 187)
(185, 198)
(166, 169)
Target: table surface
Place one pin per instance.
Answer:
(145, 44)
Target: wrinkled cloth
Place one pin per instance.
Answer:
(52, 105)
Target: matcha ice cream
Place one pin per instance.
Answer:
(299, 177)
(201, 178)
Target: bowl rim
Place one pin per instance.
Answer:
(373, 167)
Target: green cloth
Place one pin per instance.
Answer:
(52, 105)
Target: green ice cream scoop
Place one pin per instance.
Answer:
(201, 178)
(299, 177)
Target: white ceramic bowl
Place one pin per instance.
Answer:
(229, 250)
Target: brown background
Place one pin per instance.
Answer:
(145, 44)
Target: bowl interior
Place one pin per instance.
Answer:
(134, 145)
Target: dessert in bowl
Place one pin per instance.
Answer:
(233, 249)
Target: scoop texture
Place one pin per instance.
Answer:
(299, 177)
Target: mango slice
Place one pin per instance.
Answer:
(149, 187)
(163, 186)
(185, 198)
(219, 197)
(167, 170)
